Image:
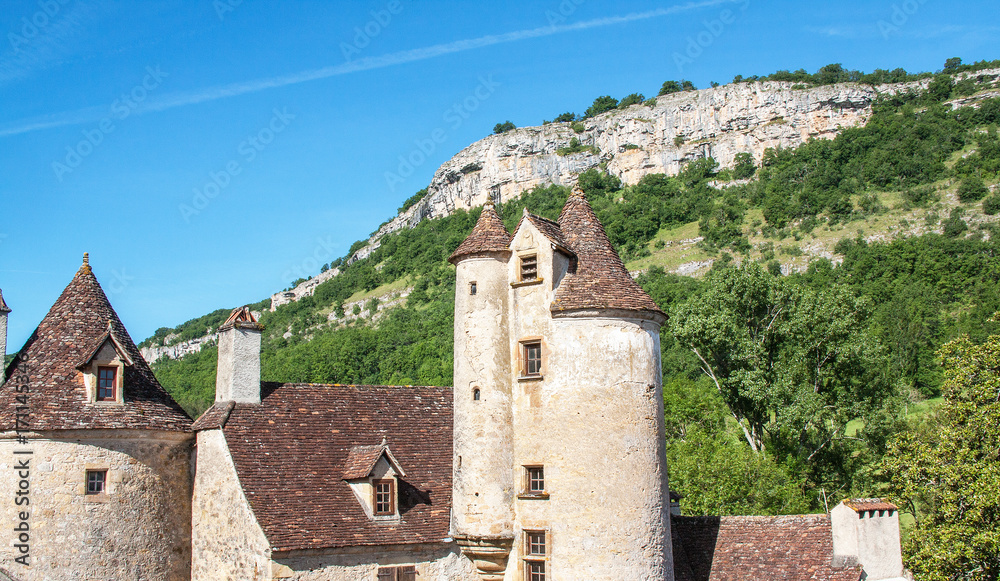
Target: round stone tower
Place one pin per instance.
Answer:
(483, 487)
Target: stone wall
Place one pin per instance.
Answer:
(227, 542)
(139, 529)
(441, 562)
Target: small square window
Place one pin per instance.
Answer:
(532, 358)
(384, 501)
(472, 288)
(404, 573)
(534, 479)
(96, 481)
(534, 543)
(107, 380)
(536, 571)
(529, 267)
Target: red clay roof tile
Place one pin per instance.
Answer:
(601, 280)
(777, 548)
(866, 504)
(292, 450)
(49, 360)
(488, 235)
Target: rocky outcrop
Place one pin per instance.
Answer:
(303, 289)
(177, 350)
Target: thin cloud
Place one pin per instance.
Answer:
(181, 99)
(44, 46)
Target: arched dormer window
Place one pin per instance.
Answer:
(104, 369)
(373, 474)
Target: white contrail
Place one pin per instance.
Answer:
(181, 99)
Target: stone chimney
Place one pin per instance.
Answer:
(238, 376)
(3, 337)
(866, 533)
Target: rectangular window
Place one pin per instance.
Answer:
(529, 267)
(535, 551)
(472, 288)
(535, 479)
(384, 497)
(404, 573)
(532, 358)
(96, 480)
(106, 379)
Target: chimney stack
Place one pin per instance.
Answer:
(866, 533)
(3, 338)
(237, 378)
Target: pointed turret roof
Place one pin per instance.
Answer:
(600, 280)
(489, 235)
(77, 325)
(3, 305)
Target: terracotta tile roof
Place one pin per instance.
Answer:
(776, 548)
(866, 504)
(601, 280)
(488, 235)
(361, 460)
(77, 321)
(241, 317)
(549, 229)
(291, 452)
(214, 417)
(3, 304)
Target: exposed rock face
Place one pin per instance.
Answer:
(719, 122)
(178, 350)
(304, 289)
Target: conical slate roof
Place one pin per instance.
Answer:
(601, 280)
(489, 235)
(49, 363)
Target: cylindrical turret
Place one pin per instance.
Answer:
(3, 336)
(483, 488)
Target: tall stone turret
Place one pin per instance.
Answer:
(563, 348)
(483, 489)
(4, 311)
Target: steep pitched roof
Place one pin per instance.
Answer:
(549, 229)
(601, 280)
(361, 461)
(777, 548)
(292, 450)
(76, 325)
(3, 304)
(488, 235)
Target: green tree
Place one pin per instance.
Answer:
(743, 167)
(972, 189)
(951, 65)
(948, 474)
(688, 86)
(670, 87)
(503, 127)
(633, 99)
(565, 118)
(601, 104)
(793, 366)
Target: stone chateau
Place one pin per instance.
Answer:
(544, 462)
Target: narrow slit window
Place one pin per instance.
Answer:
(472, 288)
(384, 497)
(476, 396)
(96, 481)
(529, 267)
(107, 378)
(533, 358)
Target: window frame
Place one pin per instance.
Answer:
(528, 345)
(528, 264)
(375, 497)
(530, 478)
(396, 573)
(473, 288)
(114, 383)
(102, 480)
(533, 559)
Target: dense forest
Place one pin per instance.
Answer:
(785, 391)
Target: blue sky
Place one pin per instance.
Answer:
(206, 153)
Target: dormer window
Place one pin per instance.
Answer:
(373, 474)
(107, 382)
(104, 369)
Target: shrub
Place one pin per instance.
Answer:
(991, 205)
(650, 102)
(602, 104)
(678, 140)
(774, 267)
(565, 118)
(578, 127)
(955, 226)
(670, 87)
(503, 127)
(919, 196)
(972, 189)
(743, 167)
(633, 99)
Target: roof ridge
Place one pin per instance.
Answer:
(488, 235)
